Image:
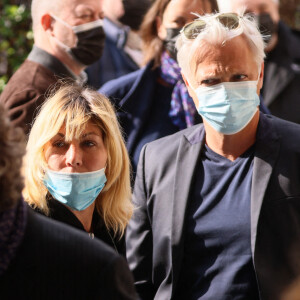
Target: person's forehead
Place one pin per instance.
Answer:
(186, 8)
(89, 127)
(73, 6)
(253, 5)
(234, 53)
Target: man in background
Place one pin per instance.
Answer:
(68, 36)
(281, 87)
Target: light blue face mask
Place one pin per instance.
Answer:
(228, 106)
(76, 190)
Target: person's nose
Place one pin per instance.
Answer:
(74, 156)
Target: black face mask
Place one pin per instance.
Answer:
(170, 41)
(90, 44)
(266, 26)
(134, 12)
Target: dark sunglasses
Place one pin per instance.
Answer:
(193, 29)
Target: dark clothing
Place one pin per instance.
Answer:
(114, 61)
(217, 261)
(56, 261)
(281, 88)
(12, 229)
(60, 212)
(165, 180)
(160, 123)
(28, 87)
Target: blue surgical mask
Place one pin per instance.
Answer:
(228, 106)
(76, 190)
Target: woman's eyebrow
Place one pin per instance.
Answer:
(90, 133)
(59, 134)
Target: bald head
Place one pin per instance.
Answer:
(41, 7)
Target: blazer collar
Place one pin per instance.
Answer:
(186, 162)
(266, 153)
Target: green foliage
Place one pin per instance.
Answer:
(16, 38)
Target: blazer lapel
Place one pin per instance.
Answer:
(266, 153)
(186, 163)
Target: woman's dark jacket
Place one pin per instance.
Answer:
(61, 213)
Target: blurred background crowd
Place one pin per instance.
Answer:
(16, 38)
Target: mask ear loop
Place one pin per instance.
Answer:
(60, 20)
(60, 43)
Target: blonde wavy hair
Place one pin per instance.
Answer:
(74, 106)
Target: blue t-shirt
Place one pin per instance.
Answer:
(217, 260)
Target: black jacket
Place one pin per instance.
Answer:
(281, 88)
(61, 213)
(56, 261)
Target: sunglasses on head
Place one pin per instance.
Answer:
(193, 29)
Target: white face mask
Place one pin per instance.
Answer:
(228, 106)
(90, 41)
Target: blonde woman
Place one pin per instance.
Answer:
(77, 168)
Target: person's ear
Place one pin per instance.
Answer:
(185, 80)
(160, 28)
(46, 22)
(190, 89)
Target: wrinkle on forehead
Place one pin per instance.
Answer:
(222, 57)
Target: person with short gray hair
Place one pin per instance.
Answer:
(68, 36)
(217, 204)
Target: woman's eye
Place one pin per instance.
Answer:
(59, 144)
(88, 143)
(179, 23)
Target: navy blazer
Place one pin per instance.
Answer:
(132, 96)
(155, 234)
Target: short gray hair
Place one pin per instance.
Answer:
(217, 34)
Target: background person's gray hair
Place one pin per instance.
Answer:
(215, 33)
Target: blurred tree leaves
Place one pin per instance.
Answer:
(16, 37)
